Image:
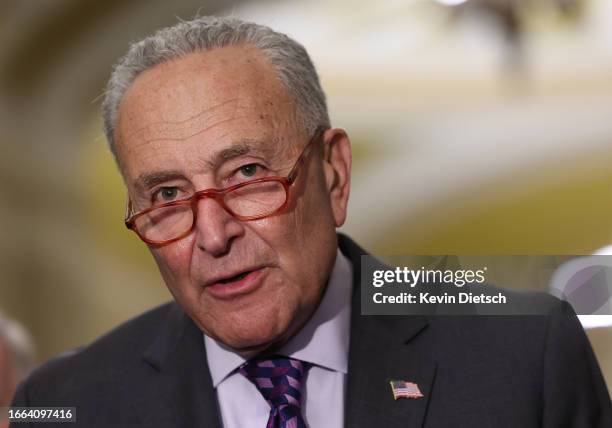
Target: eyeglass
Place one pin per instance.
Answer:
(247, 201)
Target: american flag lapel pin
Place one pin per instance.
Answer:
(402, 388)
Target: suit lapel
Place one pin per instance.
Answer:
(381, 351)
(178, 389)
(376, 357)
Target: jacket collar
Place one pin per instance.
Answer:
(381, 350)
(178, 390)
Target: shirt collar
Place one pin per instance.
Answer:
(328, 329)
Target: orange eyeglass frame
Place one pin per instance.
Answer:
(219, 195)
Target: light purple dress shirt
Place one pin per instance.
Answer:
(323, 341)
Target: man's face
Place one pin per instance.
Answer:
(210, 120)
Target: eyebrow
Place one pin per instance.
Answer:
(147, 181)
(241, 148)
(229, 153)
(237, 149)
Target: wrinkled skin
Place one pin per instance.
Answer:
(174, 122)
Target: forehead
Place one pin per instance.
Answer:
(221, 95)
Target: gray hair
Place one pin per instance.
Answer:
(288, 58)
(19, 344)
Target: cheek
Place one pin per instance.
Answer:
(174, 261)
(312, 218)
(300, 236)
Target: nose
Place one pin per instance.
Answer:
(215, 228)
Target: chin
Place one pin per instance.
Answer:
(250, 336)
(246, 345)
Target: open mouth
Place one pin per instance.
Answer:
(237, 285)
(235, 278)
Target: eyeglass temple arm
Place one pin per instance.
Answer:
(298, 164)
(128, 210)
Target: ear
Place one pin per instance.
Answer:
(337, 169)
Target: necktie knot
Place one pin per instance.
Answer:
(279, 380)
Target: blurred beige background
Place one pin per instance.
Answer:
(481, 127)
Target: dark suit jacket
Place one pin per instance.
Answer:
(522, 372)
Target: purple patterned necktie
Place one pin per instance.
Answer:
(279, 380)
